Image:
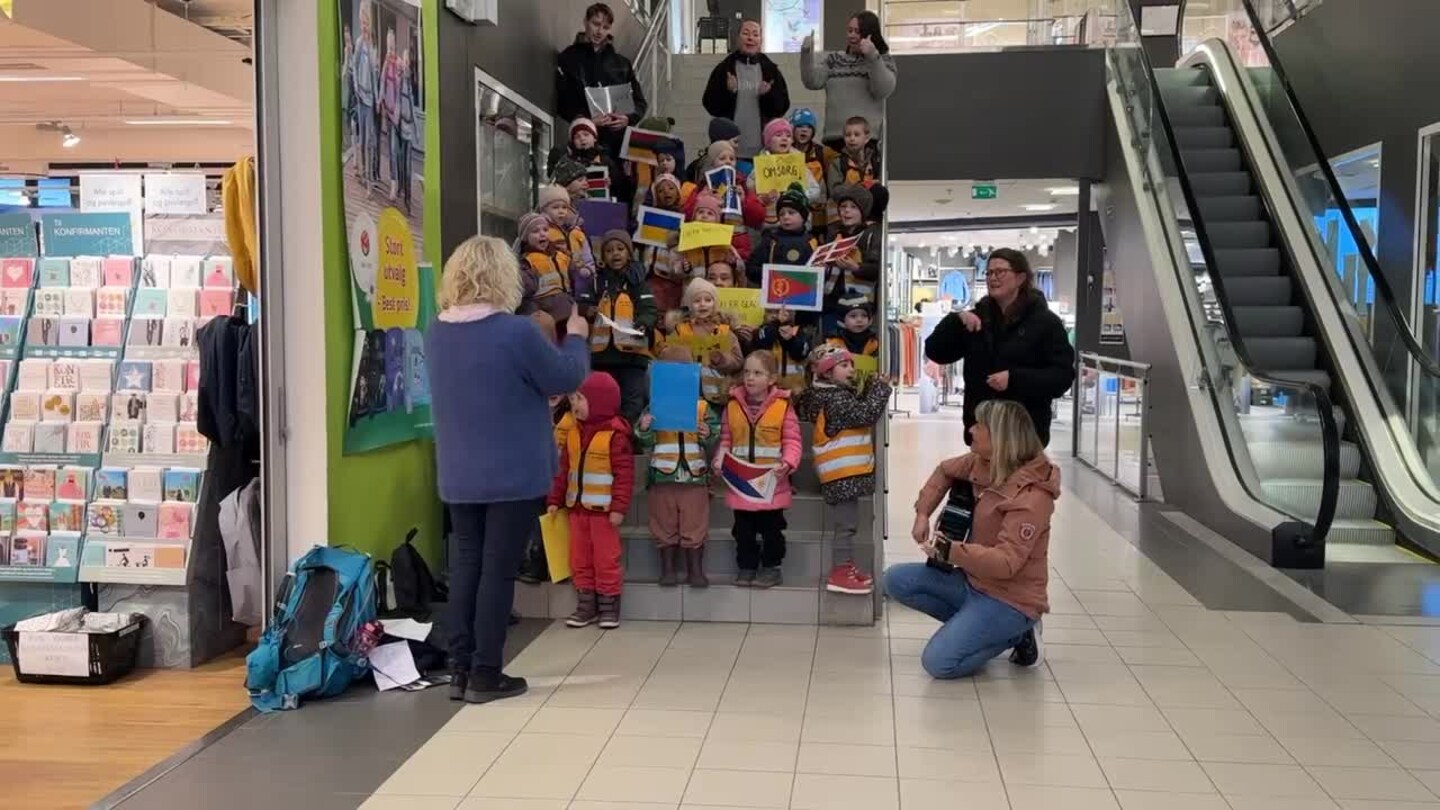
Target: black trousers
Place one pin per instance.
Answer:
(759, 539)
(490, 539)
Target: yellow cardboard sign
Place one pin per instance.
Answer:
(743, 304)
(555, 536)
(695, 235)
(776, 172)
(700, 346)
(865, 368)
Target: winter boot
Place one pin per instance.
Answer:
(695, 568)
(534, 569)
(669, 563)
(768, 577)
(609, 612)
(585, 611)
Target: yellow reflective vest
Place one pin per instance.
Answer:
(714, 383)
(673, 447)
(848, 453)
(591, 482)
(552, 279)
(759, 443)
(621, 310)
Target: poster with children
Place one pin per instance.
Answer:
(382, 166)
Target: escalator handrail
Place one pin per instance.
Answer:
(1330, 429)
(1383, 291)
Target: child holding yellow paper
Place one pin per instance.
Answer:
(779, 140)
(706, 207)
(708, 335)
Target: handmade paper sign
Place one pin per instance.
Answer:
(743, 304)
(789, 287)
(674, 390)
(830, 251)
(658, 226)
(597, 182)
(599, 216)
(721, 180)
(865, 368)
(643, 145)
(753, 483)
(617, 99)
(776, 172)
(695, 235)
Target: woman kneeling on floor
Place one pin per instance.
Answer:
(986, 576)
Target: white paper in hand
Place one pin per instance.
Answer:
(624, 330)
(393, 665)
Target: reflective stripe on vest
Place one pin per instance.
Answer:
(621, 310)
(845, 455)
(590, 482)
(762, 445)
(714, 384)
(672, 445)
(550, 279)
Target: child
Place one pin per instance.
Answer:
(760, 428)
(584, 148)
(705, 206)
(724, 274)
(702, 319)
(788, 344)
(678, 486)
(852, 279)
(818, 158)
(624, 322)
(543, 277)
(664, 266)
(855, 335)
(571, 176)
(752, 211)
(779, 140)
(844, 446)
(859, 162)
(597, 476)
(567, 239)
(788, 241)
(720, 129)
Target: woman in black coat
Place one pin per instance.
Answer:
(1013, 346)
(747, 88)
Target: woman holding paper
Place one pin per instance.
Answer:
(856, 81)
(747, 88)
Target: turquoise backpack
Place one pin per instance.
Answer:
(304, 653)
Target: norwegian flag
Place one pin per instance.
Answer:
(829, 252)
(752, 482)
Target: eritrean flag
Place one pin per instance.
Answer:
(751, 482)
(657, 226)
(643, 145)
(792, 287)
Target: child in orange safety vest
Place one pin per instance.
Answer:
(568, 242)
(707, 332)
(544, 271)
(622, 331)
(595, 482)
(844, 447)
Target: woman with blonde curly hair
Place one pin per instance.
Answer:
(491, 376)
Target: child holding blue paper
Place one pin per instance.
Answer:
(703, 330)
(678, 486)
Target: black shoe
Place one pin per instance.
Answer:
(485, 688)
(1027, 652)
(514, 619)
(459, 679)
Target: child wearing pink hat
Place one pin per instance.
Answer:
(780, 140)
(705, 206)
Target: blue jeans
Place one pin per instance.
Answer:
(975, 629)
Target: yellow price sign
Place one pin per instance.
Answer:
(776, 172)
(397, 284)
(695, 235)
(743, 304)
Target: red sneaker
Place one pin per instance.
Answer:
(846, 578)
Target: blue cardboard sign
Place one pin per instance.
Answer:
(17, 235)
(87, 234)
(674, 394)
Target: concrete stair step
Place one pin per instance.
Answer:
(807, 513)
(718, 603)
(808, 557)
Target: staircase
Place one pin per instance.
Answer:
(1270, 313)
(802, 599)
(690, 72)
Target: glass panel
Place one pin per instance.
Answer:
(512, 146)
(960, 25)
(1089, 403)
(1105, 426)
(1129, 465)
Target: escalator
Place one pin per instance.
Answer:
(1332, 461)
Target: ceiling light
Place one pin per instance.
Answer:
(178, 122)
(1040, 207)
(12, 79)
(1065, 191)
(1034, 231)
(68, 139)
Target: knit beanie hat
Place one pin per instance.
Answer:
(803, 117)
(617, 235)
(707, 199)
(716, 149)
(850, 306)
(794, 198)
(585, 124)
(527, 222)
(568, 171)
(778, 126)
(856, 194)
(666, 178)
(696, 287)
(723, 129)
(825, 357)
(656, 123)
(550, 194)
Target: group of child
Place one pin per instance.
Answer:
(757, 383)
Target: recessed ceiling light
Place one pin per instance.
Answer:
(178, 122)
(1065, 191)
(11, 78)
(1040, 207)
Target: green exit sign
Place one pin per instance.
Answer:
(984, 191)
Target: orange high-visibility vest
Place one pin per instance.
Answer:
(563, 429)
(621, 310)
(714, 384)
(872, 346)
(552, 279)
(591, 482)
(760, 442)
(848, 453)
(673, 447)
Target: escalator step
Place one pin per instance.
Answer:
(1209, 115)
(1248, 262)
(1262, 322)
(1176, 97)
(1218, 184)
(1283, 352)
(1258, 291)
(1200, 137)
(1242, 208)
(1201, 161)
(1182, 77)
(1312, 376)
(1227, 235)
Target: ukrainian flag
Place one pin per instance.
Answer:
(657, 226)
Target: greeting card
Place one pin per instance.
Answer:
(34, 374)
(110, 482)
(28, 547)
(189, 406)
(50, 301)
(135, 375)
(106, 517)
(12, 481)
(111, 301)
(124, 437)
(167, 375)
(146, 332)
(57, 406)
(182, 302)
(96, 374)
(14, 301)
(65, 375)
(218, 273)
(108, 331)
(189, 440)
(155, 271)
(215, 303)
(25, 406)
(40, 482)
(150, 302)
(146, 483)
(128, 405)
(84, 437)
(50, 437)
(92, 406)
(162, 406)
(54, 272)
(158, 437)
(67, 516)
(72, 483)
(185, 271)
(10, 330)
(74, 330)
(141, 519)
(17, 272)
(62, 549)
(86, 271)
(179, 333)
(32, 515)
(41, 331)
(192, 375)
(174, 520)
(19, 437)
(7, 519)
(182, 484)
(119, 271)
(80, 301)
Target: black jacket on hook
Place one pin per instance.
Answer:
(229, 402)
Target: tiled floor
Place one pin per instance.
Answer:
(1147, 700)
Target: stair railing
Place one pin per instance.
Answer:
(652, 58)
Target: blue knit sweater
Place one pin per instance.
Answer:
(490, 381)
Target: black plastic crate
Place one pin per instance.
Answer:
(112, 655)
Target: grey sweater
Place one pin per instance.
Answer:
(853, 85)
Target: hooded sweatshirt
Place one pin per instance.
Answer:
(602, 394)
(791, 447)
(1008, 551)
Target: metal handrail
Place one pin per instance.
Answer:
(1141, 374)
(1114, 361)
(648, 54)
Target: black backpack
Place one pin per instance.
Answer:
(415, 587)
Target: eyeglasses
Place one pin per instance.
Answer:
(1001, 271)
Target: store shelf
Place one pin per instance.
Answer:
(93, 568)
(38, 573)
